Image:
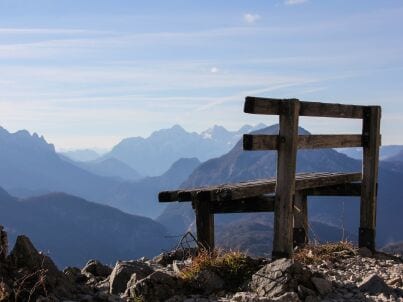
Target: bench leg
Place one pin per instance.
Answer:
(371, 130)
(285, 186)
(204, 225)
(300, 232)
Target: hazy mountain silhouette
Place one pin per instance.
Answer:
(108, 167)
(73, 230)
(384, 154)
(155, 154)
(398, 157)
(81, 154)
(30, 164)
(238, 165)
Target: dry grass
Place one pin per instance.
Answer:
(233, 266)
(317, 253)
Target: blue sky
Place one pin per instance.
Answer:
(89, 73)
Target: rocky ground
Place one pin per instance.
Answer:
(337, 272)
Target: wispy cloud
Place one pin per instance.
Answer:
(48, 31)
(251, 18)
(294, 2)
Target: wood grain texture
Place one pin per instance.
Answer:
(256, 105)
(371, 131)
(248, 205)
(300, 234)
(285, 186)
(204, 224)
(271, 142)
(259, 187)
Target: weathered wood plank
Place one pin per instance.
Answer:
(204, 224)
(253, 204)
(371, 132)
(346, 189)
(271, 142)
(285, 187)
(258, 187)
(167, 196)
(300, 234)
(270, 106)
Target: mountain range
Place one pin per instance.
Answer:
(73, 230)
(153, 155)
(30, 166)
(33, 171)
(385, 153)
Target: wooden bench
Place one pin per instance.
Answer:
(286, 195)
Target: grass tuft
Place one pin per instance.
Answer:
(233, 266)
(316, 253)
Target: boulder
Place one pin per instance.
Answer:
(96, 269)
(123, 271)
(208, 282)
(158, 286)
(374, 285)
(74, 275)
(25, 255)
(279, 277)
(322, 285)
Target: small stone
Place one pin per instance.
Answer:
(322, 285)
(96, 269)
(365, 252)
(123, 271)
(287, 297)
(373, 285)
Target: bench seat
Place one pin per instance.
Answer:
(250, 189)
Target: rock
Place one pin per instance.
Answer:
(25, 255)
(208, 281)
(280, 277)
(287, 297)
(5, 292)
(365, 252)
(158, 286)
(74, 275)
(122, 273)
(304, 292)
(3, 244)
(374, 285)
(96, 269)
(181, 254)
(323, 286)
(248, 297)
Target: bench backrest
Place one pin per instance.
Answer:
(287, 142)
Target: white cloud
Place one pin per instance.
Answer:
(214, 70)
(251, 18)
(294, 2)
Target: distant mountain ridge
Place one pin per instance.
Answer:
(386, 152)
(30, 164)
(81, 155)
(73, 230)
(155, 154)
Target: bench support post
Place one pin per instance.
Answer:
(300, 234)
(285, 187)
(204, 224)
(371, 142)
